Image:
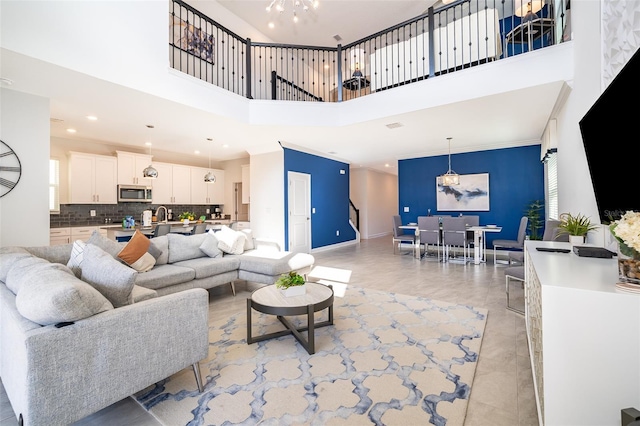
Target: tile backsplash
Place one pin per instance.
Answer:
(80, 214)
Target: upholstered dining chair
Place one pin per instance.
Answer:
(551, 233)
(454, 235)
(399, 236)
(429, 227)
(471, 220)
(161, 229)
(199, 228)
(512, 244)
(513, 273)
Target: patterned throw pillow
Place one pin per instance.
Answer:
(75, 261)
(136, 253)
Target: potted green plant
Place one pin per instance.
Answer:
(533, 212)
(577, 227)
(291, 284)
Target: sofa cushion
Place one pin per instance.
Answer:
(50, 295)
(205, 267)
(162, 244)
(230, 241)
(165, 275)
(210, 245)
(139, 294)
(110, 277)
(75, 259)
(135, 253)
(17, 275)
(183, 247)
(8, 256)
(274, 263)
(110, 246)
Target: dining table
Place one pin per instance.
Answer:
(479, 240)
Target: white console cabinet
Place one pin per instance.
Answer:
(584, 338)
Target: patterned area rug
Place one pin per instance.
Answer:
(389, 359)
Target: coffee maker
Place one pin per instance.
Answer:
(147, 219)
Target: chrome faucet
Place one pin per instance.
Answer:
(166, 215)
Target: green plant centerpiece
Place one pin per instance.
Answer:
(291, 284)
(186, 215)
(578, 225)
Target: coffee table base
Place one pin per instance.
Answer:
(308, 344)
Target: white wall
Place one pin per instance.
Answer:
(267, 196)
(24, 212)
(375, 194)
(232, 174)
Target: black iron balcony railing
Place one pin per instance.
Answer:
(463, 34)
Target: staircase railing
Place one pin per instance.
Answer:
(354, 215)
(463, 34)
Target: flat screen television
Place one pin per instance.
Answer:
(611, 136)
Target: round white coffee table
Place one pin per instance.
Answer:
(269, 300)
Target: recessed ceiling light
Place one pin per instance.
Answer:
(332, 152)
(92, 117)
(148, 143)
(71, 130)
(225, 146)
(271, 25)
(56, 120)
(196, 152)
(394, 125)
(209, 139)
(387, 165)
(150, 126)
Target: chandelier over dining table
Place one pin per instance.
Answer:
(296, 5)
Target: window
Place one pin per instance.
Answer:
(54, 186)
(551, 169)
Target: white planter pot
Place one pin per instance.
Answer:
(576, 240)
(297, 290)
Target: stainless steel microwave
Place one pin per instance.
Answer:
(134, 194)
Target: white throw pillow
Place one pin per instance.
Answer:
(75, 261)
(248, 244)
(230, 241)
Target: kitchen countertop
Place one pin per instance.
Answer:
(114, 225)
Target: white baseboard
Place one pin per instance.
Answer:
(335, 246)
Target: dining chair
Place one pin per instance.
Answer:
(199, 228)
(512, 244)
(399, 236)
(471, 220)
(454, 235)
(429, 228)
(513, 273)
(161, 229)
(551, 233)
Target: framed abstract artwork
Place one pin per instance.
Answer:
(192, 40)
(472, 194)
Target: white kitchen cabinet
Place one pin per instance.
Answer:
(173, 184)
(206, 193)
(245, 184)
(130, 167)
(82, 233)
(92, 179)
(59, 236)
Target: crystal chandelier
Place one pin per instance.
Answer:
(451, 177)
(279, 5)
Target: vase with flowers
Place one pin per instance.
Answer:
(627, 232)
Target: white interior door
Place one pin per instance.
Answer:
(299, 203)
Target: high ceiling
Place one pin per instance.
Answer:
(473, 124)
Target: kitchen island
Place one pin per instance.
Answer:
(118, 233)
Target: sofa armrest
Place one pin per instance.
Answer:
(76, 370)
(262, 243)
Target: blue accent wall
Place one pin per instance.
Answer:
(329, 197)
(516, 178)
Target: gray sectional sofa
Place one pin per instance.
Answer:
(76, 340)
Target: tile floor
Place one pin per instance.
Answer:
(502, 392)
